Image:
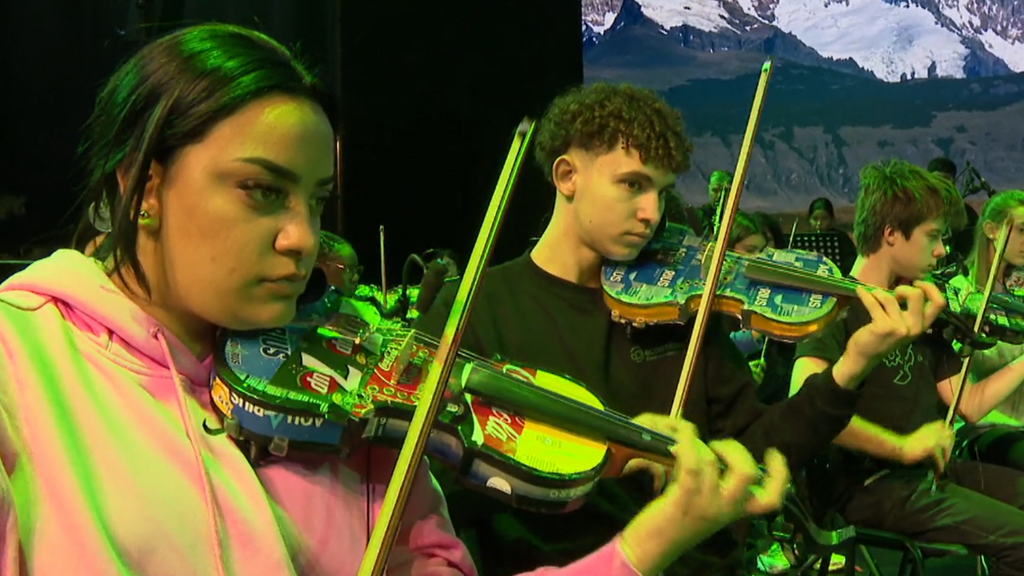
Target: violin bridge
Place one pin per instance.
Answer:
(398, 354)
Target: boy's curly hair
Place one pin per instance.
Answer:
(898, 194)
(599, 117)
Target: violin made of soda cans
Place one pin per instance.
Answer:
(534, 439)
(785, 294)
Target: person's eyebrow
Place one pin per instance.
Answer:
(279, 171)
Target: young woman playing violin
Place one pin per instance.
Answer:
(997, 438)
(612, 153)
(893, 470)
(214, 150)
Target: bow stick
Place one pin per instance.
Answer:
(961, 379)
(382, 539)
(714, 269)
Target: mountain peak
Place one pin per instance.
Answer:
(894, 40)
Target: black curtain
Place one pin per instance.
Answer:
(429, 94)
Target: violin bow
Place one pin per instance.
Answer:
(339, 224)
(792, 234)
(382, 539)
(961, 379)
(714, 269)
(383, 272)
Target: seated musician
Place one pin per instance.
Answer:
(719, 184)
(960, 242)
(822, 217)
(890, 452)
(998, 438)
(774, 235)
(777, 367)
(747, 237)
(214, 148)
(340, 263)
(612, 153)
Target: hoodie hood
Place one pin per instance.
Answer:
(90, 301)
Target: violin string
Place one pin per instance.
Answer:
(836, 282)
(608, 415)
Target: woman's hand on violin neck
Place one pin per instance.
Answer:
(896, 319)
(668, 426)
(702, 500)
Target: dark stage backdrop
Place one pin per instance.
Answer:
(430, 96)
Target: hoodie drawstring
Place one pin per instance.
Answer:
(190, 432)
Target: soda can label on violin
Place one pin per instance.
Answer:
(666, 282)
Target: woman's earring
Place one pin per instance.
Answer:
(143, 215)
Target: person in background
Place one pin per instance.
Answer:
(719, 184)
(777, 366)
(340, 264)
(776, 237)
(961, 241)
(748, 237)
(998, 438)
(822, 217)
(893, 471)
(339, 261)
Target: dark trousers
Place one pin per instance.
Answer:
(976, 505)
(997, 444)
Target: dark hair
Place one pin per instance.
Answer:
(599, 117)
(165, 97)
(774, 229)
(821, 203)
(332, 245)
(902, 196)
(675, 209)
(943, 166)
(744, 226)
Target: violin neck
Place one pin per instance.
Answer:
(764, 270)
(537, 403)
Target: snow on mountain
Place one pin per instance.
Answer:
(890, 41)
(1010, 52)
(707, 15)
(600, 14)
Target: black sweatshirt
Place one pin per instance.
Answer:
(527, 316)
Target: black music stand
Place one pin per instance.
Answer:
(832, 244)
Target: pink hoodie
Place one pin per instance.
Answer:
(107, 469)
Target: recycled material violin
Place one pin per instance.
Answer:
(785, 294)
(534, 439)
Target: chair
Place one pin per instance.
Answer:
(806, 511)
(820, 544)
